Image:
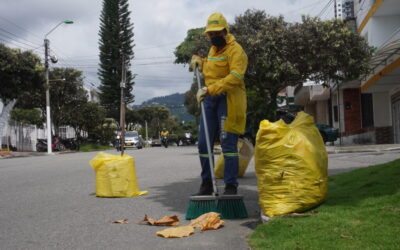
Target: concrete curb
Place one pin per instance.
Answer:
(361, 150)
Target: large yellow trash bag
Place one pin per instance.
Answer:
(246, 152)
(115, 176)
(291, 166)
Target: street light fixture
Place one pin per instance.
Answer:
(46, 64)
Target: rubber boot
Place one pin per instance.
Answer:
(206, 188)
(230, 189)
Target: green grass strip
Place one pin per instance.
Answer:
(362, 211)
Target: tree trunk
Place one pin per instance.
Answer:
(4, 118)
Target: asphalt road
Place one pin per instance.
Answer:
(48, 202)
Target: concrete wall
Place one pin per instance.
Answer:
(363, 138)
(361, 9)
(382, 109)
(380, 30)
(340, 108)
(310, 109)
(322, 112)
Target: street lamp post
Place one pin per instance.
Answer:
(46, 65)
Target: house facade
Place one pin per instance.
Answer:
(366, 110)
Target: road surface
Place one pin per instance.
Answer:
(48, 202)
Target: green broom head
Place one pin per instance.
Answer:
(199, 205)
(231, 207)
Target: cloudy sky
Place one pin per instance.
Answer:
(159, 27)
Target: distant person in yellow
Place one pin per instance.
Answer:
(164, 132)
(224, 99)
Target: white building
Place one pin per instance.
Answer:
(344, 9)
(365, 110)
(379, 22)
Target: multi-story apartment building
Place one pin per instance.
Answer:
(344, 9)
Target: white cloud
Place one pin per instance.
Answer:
(159, 26)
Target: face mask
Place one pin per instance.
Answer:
(218, 41)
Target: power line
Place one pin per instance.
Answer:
(13, 40)
(325, 8)
(8, 32)
(16, 45)
(305, 7)
(16, 25)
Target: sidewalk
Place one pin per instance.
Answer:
(13, 154)
(362, 148)
(329, 149)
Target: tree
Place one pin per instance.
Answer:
(116, 47)
(195, 43)
(190, 101)
(271, 66)
(67, 95)
(282, 54)
(27, 116)
(156, 117)
(88, 117)
(133, 117)
(20, 71)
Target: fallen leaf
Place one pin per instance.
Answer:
(176, 232)
(172, 220)
(345, 236)
(208, 221)
(124, 221)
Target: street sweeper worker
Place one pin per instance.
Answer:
(224, 100)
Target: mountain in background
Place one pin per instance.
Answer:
(175, 104)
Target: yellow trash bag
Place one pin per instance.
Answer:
(246, 151)
(115, 176)
(291, 166)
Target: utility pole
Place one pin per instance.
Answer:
(122, 111)
(147, 135)
(48, 120)
(46, 64)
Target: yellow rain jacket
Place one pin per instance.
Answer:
(224, 73)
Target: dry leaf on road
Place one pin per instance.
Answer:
(176, 232)
(172, 220)
(208, 221)
(124, 221)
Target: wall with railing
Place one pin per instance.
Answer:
(23, 137)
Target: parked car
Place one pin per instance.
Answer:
(133, 140)
(328, 133)
(155, 142)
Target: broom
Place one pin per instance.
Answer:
(229, 206)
